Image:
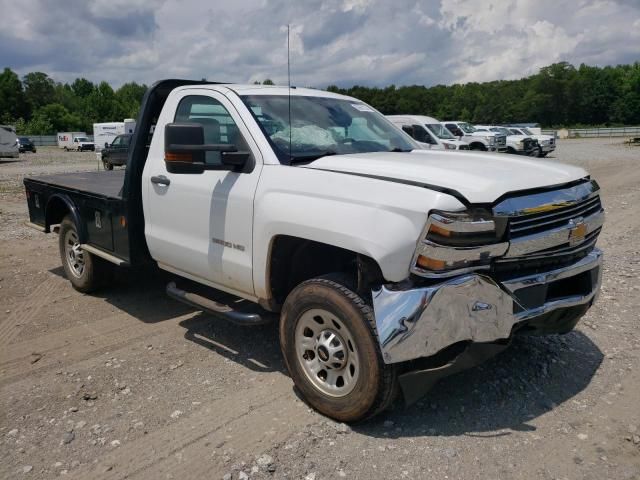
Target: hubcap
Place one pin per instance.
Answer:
(74, 253)
(327, 353)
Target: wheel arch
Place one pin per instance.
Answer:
(58, 207)
(292, 260)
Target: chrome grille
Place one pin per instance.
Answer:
(524, 225)
(552, 223)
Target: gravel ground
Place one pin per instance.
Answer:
(129, 384)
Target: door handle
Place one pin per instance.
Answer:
(160, 180)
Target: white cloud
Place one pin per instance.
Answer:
(372, 42)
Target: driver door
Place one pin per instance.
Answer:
(200, 225)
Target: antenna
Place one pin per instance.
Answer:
(289, 85)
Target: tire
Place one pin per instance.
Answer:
(85, 271)
(313, 312)
(478, 146)
(512, 151)
(107, 165)
(66, 149)
(543, 154)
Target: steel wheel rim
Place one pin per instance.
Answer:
(73, 253)
(327, 353)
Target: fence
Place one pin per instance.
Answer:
(595, 132)
(48, 140)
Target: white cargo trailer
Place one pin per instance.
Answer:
(104, 133)
(8, 141)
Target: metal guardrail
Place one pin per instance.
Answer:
(44, 140)
(604, 132)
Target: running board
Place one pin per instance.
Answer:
(216, 308)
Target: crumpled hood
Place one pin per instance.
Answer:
(478, 177)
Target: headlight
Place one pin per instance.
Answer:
(449, 146)
(491, 140)
(520, 142)
(458, 240)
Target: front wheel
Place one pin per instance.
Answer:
(107, 165)
(327, 336)
(85, 272)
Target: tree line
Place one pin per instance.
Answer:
(37, 105)
(558, 95)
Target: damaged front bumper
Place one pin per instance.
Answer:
(421, 321)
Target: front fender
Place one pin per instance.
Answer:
(380, 219)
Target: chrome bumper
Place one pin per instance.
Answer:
(420, 322)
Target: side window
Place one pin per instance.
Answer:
(219, 127)
(421, 135)
(126, 141)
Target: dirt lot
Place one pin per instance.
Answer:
(130, 384)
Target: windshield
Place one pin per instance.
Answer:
(466, 128)
(526, 131)
(440, 131)
(503, 130)
(24, 139)
(323, 126)
(82, 139)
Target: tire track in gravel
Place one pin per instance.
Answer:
(83, 342)
(28, 309)
(246, 422)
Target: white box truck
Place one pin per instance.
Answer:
(105, 133)
(77, 141)
(8, 141)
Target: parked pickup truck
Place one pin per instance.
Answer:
(516, 143)
(546, 143)
(483, 141)
(388, 267)
(117, 152)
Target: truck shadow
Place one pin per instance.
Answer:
(256, 348)
(529, 379)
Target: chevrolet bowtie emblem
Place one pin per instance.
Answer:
(577, 231)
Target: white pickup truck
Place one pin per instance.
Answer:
(477, 140)
(388, 267)
(546, 143)
(516, 143)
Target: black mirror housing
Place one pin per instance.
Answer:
(184, 150)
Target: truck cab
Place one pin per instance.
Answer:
(483, 141)
(386, 266)
(82, 144)
(428, 132)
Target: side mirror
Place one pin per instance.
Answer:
(106, 144)
(184, 150)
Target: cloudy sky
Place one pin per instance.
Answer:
(344, 42)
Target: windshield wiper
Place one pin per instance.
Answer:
(310, 158)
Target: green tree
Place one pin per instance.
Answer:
(39, 89)
(13, 103)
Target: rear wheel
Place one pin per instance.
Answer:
(328, 340)
(85, 272)
(107, 165)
